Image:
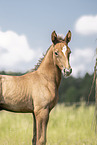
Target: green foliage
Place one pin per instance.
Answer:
(11, 73)
(71, 94)
(76, 89)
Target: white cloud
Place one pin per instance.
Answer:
(86, 25)
(82, 61)
(14, 50)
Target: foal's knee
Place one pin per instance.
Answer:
(41, 141)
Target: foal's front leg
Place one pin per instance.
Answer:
(41, 126)
(34, 130)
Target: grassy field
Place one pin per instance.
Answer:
(67, 126)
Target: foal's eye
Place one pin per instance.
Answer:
(56, 53)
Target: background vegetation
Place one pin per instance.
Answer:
(76, 89)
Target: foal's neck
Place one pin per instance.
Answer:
(49, 69)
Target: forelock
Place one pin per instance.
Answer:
(61, 37)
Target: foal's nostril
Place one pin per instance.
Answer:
(70, 70)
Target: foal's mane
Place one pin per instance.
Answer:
(40, 61)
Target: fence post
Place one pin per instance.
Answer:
(96, 94)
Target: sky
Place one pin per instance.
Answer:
(26, 27)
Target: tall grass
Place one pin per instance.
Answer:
(67, 126)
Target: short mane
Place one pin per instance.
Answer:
(39, 61)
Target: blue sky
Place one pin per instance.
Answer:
(26, 27)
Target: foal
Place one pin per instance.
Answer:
(37, 92)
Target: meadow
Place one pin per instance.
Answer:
(68, 125)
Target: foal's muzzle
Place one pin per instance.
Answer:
(67, 72)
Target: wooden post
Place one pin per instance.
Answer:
(96, 94)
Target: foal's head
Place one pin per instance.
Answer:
(62, 53)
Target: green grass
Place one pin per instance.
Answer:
(67, 126)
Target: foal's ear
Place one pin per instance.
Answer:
(68, 37)
(54, 37)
